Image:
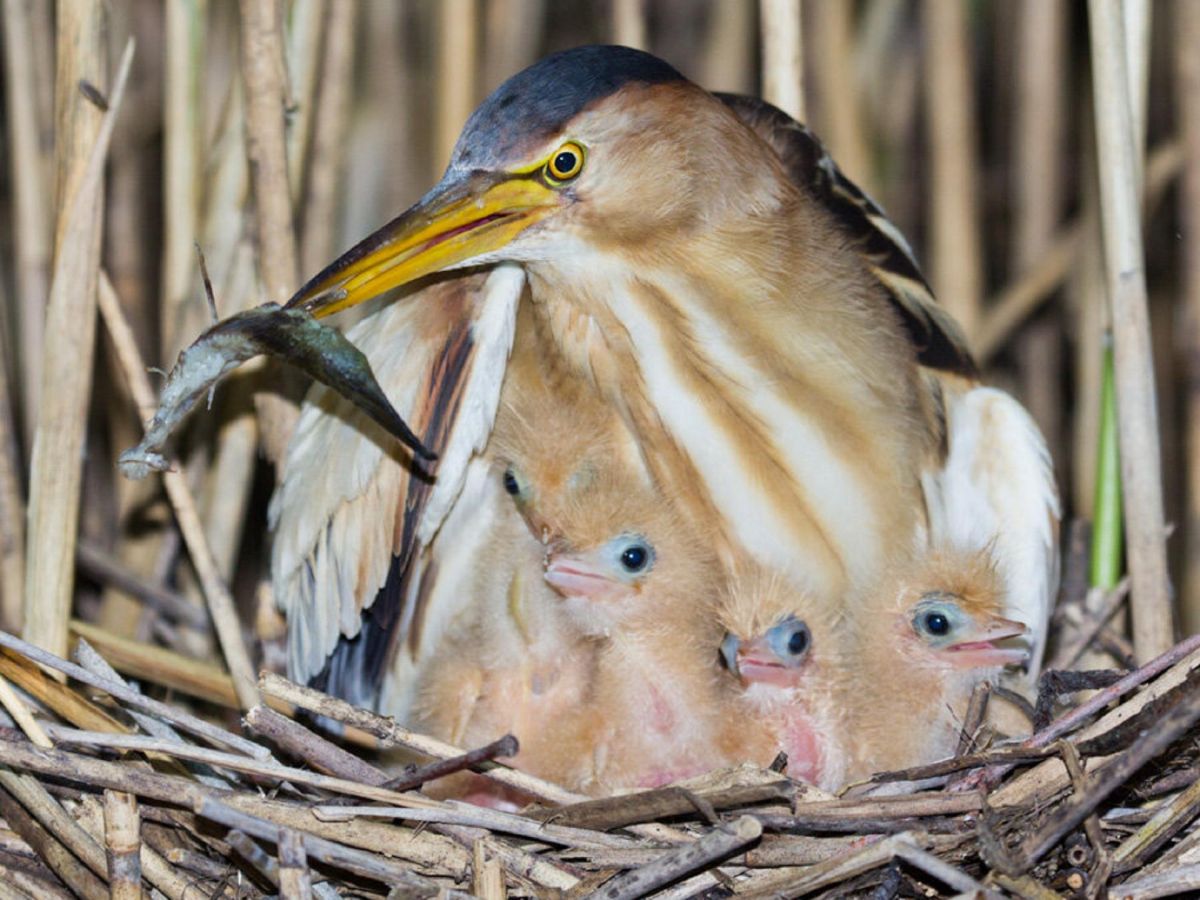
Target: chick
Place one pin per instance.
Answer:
(923, 639)
(639, 582)
(784, 652)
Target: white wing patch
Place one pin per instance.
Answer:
(335, 514)
(997, 491)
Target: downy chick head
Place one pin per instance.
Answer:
(944, 613)
(621, 556)
(784, 650)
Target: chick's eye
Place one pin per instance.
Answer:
(510, 483)
(634, 558)
(565, 164)
(798, 641)
(936, 623)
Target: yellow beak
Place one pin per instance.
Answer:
(455, 223)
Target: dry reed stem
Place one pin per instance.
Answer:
(57, 697)
(456, 54)
(97, 564)
(32, 795)
(720, 842)
(1153, 620)
(21, 715)
(487, 876)
(305, 32)
(629, 24)
(782, 56)
(237, 763)
(123, 843)
(956, 269)
(56, 471)
(157, 871)
(183, 131)
(220, 601)
(295, 881)
(391, 734)
(146, 662)
(30, 192)
(266, 145)
(729, 45)
(1187, 78)
(513, 30)
(332, 103)
(60, 861)
(178, 717)
(12, 509)
(841, 123)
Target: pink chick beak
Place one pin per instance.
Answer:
(982, 652)
(757, 663)
(576, 576)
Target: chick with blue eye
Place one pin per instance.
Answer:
(927, 635)
(783, 653)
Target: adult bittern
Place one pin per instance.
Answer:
(758, 325)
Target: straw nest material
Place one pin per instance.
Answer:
(106, 790)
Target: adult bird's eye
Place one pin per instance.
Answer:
(565, 164)
(634, 558)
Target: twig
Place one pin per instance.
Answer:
(1166, 822)
(389, 732)
(366, 865)
(254, 856)
(478, 817)
(56, 471)
(183, 720)
(1153, 625)
(503, 747)
(20, 712)
(616, 812)
(12, 504)
(722, 841)
(487, 877)
(295, 882)
(1114, 774)
(57, 857)
(32, 795)
(1170, 883)
(322, 755)
(236, 762)
(783, 56)
(157, 870)
(220, 601)
(97, 564)
(123, 842)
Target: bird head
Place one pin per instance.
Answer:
(593, 146)
(776, 657)
(615, 570)
(769, 625)
(948, 610)
(958, 637)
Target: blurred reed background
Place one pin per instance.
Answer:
(972, 123)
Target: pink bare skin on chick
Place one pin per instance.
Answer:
(924, 639)
(783, 652)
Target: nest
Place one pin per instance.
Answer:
(105, 791)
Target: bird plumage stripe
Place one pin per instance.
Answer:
(938, 341)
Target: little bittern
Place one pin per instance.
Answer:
(699, 266)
